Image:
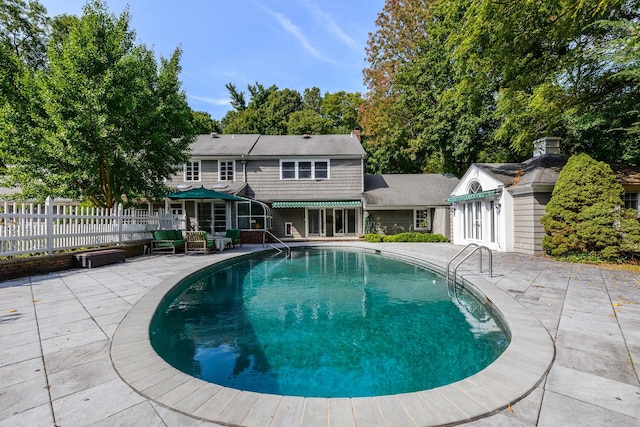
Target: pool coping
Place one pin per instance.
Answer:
(516, 373)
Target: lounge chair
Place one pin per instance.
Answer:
(167, 241)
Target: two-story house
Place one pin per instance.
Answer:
(299, 186)
(304, 187)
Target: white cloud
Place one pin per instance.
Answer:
(295, 31)
(212, 101)
(332, 25)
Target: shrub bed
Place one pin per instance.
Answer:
(406, 237)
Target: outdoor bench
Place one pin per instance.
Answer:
(99, 257)
(167, 241)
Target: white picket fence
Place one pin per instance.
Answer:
(27, 228)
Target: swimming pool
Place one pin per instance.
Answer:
(517, 372)
(325, 323)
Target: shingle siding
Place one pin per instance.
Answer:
(528, 231)
(345, 182)
(295, 216)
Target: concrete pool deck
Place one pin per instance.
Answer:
(56, 336)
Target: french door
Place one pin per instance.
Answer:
(316, 224)
(344, 222)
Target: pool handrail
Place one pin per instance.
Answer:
(264, 243)
(451, 284)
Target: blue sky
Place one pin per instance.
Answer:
(295, 44)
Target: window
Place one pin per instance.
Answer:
(253, 216)
(192, 171)
(630, 200)
(219, 221)
(288, 170)
(304, 169)
(225, 170)
(322, 170)
(421, 219)
(475, 187)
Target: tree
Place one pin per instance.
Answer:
(453, 82)
(243, 121)
(341, 109)
(260, 95)
(586, 214)
(237, 98)
(308, 121)
(104, 122)
(23, 29)
(203, 123)
(273, 111)
(312, 99)
(279, 105)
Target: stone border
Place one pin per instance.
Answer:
(517, 372)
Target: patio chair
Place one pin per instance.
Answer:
(234, 235)
(197, 242)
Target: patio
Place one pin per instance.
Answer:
(56, 330)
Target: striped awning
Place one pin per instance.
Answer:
(473, 196)
(334, 204)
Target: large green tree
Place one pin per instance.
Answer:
(273, 111)
(104, 121)
(452, 82)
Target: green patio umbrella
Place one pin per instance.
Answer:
(201, 194)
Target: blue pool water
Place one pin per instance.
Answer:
(326, 323)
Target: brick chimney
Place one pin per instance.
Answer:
(356, 133)
(546, 145)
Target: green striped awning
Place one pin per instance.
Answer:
(473, 196)
(334, 204)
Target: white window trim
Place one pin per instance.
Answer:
(233, 178)
(184, 171)
(313, 162)
(427, 217)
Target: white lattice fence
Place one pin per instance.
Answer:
(27, 228)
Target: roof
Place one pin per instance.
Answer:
(308, 145)
(627, 175)
(223, 145)
(347, 146)
(536, 170)
(544, 169)
(407, 190)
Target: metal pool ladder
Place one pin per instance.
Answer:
(451, 283)
(264, 243)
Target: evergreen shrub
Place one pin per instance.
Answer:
(586, 214)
